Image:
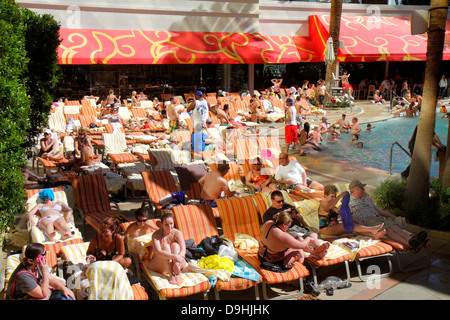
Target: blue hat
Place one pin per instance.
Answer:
(198, 93)
(290, 100)
(47, 194)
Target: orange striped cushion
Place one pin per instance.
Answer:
(239, 215)
(125, 157)
(261, 204)
(53, 163)
(56, 246)
(158, 184)
(325, 263)
(251, 256)
(139, 292)
(374, 250)
(395, 245)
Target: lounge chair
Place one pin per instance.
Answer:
(239, 216)
(92, 199)
(116, 148)
(167, 158)
(245, 149)
(157, 185)
(38, 236)
(197, 222)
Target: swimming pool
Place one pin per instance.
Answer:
(377, 144)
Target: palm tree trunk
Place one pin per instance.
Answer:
(335, 28)
(417, 187)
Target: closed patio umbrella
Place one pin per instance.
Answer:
(329, 52)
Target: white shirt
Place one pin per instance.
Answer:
(200, 114)
(292, 172)
(294, 114)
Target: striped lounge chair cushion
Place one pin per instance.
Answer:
(75, 253)
(192, 283)
(91, 195)
(158, 184)
(125, 157)
(53, 163)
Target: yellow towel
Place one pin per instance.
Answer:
(138, 245)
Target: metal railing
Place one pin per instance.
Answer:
(390, 155)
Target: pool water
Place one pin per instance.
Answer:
(377, 144)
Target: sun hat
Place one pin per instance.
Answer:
(47, 194)
(356, 184)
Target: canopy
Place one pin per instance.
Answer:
(369, 38)
(87, 46)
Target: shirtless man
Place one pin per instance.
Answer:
(172, 115)
(141, 226)
(169, 250)
(328, 217)
(213, 184)
(253, 106)
(355, 126)
(344, 124)
(346, 85)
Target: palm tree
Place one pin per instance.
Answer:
(335, 28)
(417, 187)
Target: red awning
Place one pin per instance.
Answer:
(86, 46)
(368, 38)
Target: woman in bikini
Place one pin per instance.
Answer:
(169, 250)
(329, 223)
(257, 180)
(51, 218)
(279, 247)
(109, 245)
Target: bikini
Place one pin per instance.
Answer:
(276, 257)
(52, 217)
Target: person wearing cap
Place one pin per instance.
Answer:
(50, 148)
(50, 212)
(200, 111)
(366, 213)
(291, 129)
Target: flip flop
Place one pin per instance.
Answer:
(418, 241)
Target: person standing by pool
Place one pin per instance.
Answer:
(290, 129)
(442, 86)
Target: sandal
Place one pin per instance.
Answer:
(418, 241)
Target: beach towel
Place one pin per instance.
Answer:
(245, 241)
(108, 281)
(138, 245)
(189, 277)
(244, 270)
(353, 245)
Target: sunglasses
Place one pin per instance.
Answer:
(141, 220)
(279, 201)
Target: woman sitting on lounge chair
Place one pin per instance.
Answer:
(257, 180)
(50, 215)
(32, 280)
(50, 148)
(328, 217)
(169, 250)
(279, 247)
(109, 245)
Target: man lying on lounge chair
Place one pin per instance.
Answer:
(366, 213)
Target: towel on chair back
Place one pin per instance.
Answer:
(108, 281)
(346, 214)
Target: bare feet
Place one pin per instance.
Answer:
(322, 251)
(379, 234)
(175, 279)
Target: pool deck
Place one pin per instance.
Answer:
(432, 283)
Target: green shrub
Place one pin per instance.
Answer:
(389, 194)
